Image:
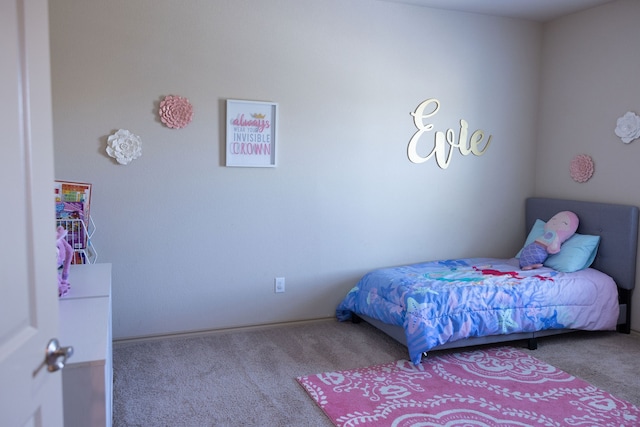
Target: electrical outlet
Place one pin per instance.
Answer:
(279, 285)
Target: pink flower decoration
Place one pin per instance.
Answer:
(581, 168)
(175, 111)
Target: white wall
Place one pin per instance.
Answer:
(196, 245)
(590, 79)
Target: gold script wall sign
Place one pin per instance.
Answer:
(444, 142)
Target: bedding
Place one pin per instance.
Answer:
(439, 302)
(577, 253)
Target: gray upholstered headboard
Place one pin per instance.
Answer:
(617, 226)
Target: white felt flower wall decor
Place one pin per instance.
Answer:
(628, 127)
(124, 146)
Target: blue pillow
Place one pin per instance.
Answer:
(577, 253)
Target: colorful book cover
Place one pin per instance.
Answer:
(73, 192)
(73, 202)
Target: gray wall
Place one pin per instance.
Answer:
(196, 245)
(590, 78)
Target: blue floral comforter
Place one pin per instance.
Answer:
(444, 301)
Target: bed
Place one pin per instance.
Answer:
(456, 303)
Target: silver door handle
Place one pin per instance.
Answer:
(52, 356)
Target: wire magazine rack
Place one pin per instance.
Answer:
(79, 233)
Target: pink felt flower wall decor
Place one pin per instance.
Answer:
(175, 111)
(581, 168)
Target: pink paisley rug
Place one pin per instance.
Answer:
(490, 387)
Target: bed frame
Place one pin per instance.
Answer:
(617, 226)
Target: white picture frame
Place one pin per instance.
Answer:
(251, 133)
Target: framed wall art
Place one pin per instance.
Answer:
(251, 133)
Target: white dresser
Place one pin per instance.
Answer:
(85, 324)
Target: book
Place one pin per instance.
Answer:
(73, 201)
(73, 192)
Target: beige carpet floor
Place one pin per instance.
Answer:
(247, 377)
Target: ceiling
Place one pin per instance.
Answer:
(534, 10)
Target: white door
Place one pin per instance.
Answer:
(28, 283)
